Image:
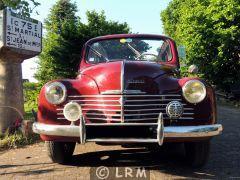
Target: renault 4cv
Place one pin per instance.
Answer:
(128, 90)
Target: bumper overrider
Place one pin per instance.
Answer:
(194, 132)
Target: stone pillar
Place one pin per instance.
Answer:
(15, 47)
(11, 93)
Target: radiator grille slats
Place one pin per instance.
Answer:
(126, 108)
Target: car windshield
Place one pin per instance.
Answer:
(135, 49)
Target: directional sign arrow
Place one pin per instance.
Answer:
(9, 33)
(10, 44)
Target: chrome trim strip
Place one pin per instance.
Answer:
(187, 113)
(153, 95)
(110, 92)
(145, 114)
(122, 89)
(159, 109)
(122, 76)
(188, 109)
(117, 91)
(169, 132)
(181, 118)
(92, 96)
(97, 114)
(127, 95)
(93, 118)
(186, 117)
(123, 140)
(61, 118)
(122, 124)
(133, 92)
(142, 119)
(114, 110)
(147, 105)
(102, 119)
(152, 100)
(94, 100)
(100, 104)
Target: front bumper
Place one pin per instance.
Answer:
(202, 131)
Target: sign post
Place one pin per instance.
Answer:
(20, 39)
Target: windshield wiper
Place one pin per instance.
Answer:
(98, 53)
(134, 50)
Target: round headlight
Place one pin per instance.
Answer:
(55, 93)
(72, 111)
(194, 91)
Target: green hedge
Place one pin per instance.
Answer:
(31, 91)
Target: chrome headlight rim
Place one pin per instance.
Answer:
(66, 107)
(55, 84)
(203, 96)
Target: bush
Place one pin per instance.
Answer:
(210, 32)
(31, 92)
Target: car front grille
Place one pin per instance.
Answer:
(126, 108)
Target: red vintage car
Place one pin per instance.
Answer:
(128, 90)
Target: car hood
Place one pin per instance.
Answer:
(127, 76)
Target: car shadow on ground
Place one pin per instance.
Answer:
(224, 161)
(169, 159)
(31, 171)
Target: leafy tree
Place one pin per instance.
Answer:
(60, 53)
(97, 25)
(24, 7)
(210, 31)
(66, 35)
(31, 91)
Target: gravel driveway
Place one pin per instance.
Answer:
(32, 162)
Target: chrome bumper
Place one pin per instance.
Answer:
(162, 132)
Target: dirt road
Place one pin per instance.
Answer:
(32, 162)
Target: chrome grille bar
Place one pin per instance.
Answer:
(150, 100)
(101, 105)
(98, 114)
(122, 124)
(114, 110)
(145, 114)
(94, 100)
(148, 105)
(125, 95)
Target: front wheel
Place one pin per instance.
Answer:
(60, 152)
(197, 153)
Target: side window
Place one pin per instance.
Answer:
(165, 52)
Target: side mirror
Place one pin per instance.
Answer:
(193, 69)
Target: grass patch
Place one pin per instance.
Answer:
(17, 139)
